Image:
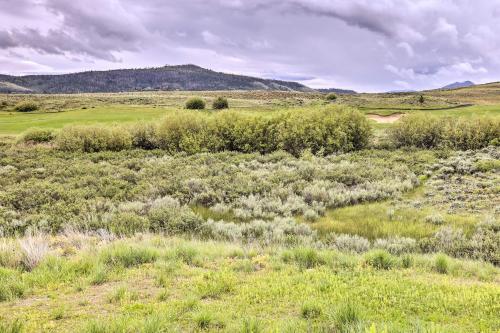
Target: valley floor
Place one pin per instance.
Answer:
(284, 214)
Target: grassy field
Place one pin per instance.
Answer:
(302, 222)
(56, 111)
(15, 123)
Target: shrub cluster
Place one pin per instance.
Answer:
(484, 243)
(320, 131)
(426, 131)
(220, 103)
(324, 131)
(94, 138)
(45, 189)
(37, 135)
(331, 97)
(278, 231)
(195, 103)
(26, 107)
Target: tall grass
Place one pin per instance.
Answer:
(15, 326)
(33, 248)
(123, 255)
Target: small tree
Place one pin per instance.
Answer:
(220, 103)
(26, 107)
(421, 99)
(331, 97)
(195, 103)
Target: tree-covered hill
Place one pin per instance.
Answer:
(184, 77)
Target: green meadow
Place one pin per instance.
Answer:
(286, 213)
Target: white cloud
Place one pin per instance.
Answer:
(210, 38)
(446, 29)
(467, 68)
(402, 84)
(408, 49)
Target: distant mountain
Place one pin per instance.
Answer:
(337, 91)
(401, 91)
(183, 77)
(457, 85)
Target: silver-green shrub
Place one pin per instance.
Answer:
(396, 245)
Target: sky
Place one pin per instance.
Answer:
(365, 45)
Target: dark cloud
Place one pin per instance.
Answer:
(17, 7)
(89, 28)
(358, 16)
(360, 44)
(6, 40)
(54, 42)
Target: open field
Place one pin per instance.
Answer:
(56, 111)
(286, 213)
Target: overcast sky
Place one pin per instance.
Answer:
(366, 45)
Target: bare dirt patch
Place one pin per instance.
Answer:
(385, 119)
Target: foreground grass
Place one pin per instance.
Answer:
(153, 284)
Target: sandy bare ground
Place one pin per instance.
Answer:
(385, 119)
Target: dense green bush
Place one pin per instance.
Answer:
(144, 135)
(93, 138)
(195, 103)
(220, 103)
(427, 131)
(186, 132)
(26, 106)
(331, 97)
(321, 132)
(37, 135)
(128, 223)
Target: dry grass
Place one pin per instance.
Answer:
(34, 248)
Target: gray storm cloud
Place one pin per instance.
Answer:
(360, 44)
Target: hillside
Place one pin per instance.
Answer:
(482, 94)
(184, 77)
(338, 91)
(458, 85)
(7, 87)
